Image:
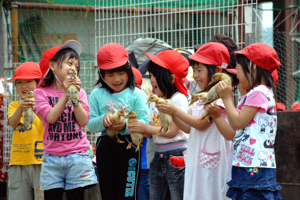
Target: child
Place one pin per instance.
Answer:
(67, 165)
(118, 167)
(143, 191)
(27, 148)
(255, 120)
(166, 69)
(208, 153)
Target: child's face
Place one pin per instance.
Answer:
(25, 85)
(66, 69)
(243, 81)
(155, 87)
(116, 81)
(200, 75)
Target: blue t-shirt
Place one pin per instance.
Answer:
(102, 101)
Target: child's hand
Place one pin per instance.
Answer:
(77, 83)
(27, 103)
(118, 127)
(166, 107)
(67, 82)
(224, 91)
(213, 110)
(106, 120)
(138, 127)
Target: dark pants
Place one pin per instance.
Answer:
(144, 189)
(166, 180)
(118, 168)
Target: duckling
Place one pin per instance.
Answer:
(198, 96)
(72, 91)
(212, 93)
(165, 119)
(116, 118)
(137, 138)
(205, 115)
(28, 115)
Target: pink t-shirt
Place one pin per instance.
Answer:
(65, 136)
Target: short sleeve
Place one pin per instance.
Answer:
(257, 99)
(42, 106)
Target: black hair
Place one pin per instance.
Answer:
(59, 57)
(163, 79)
(260, 73)
(124, 68)
(211, 70)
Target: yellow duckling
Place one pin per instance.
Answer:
(116, 118)
(212, 93)
(137, 138)
(165, 119)
(198, 96)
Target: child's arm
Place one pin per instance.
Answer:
(181, 125)
(183, 116)
(149, 130)
(14, 119)
(238, 119)
(81, 111)
(96, 123)
(224, 128)
(56, 111)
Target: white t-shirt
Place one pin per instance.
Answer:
(207, 160)
(254, 144)
(181, 102)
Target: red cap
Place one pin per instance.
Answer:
(262, 55)
(44, 62)
(275, 77)
(27, 70)
(295, 107)
(138, 76)
(111, 56)
(176, 63)
(212, 53)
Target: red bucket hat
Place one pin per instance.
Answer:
(212, 53)
(44, 62)
(262, 55)
(138, 76)
(27, 70)
(111, 56)
(176, 63)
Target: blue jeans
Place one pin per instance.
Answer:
(166, 179)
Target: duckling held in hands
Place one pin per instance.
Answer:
(72, 91)
(137, 138)
(165, 119)
(205, 115)
(116, 118)
(198, 96)
(28, 115)
(212, 93)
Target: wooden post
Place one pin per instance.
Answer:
(14, 33)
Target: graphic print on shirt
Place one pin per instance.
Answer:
(65, 128)
(155, 118)
(263, 121)
(244, 153)
(113, 106)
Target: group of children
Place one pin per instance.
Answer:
(237, 145)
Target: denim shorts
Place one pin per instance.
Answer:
(253, 183)
(68, 172)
